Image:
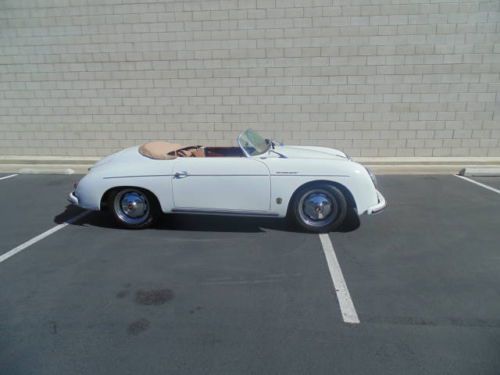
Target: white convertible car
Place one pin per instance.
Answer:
(315, 186)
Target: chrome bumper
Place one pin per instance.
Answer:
(72, 198)
(379, 206)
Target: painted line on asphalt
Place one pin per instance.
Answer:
(9, 176)
(41, 236)
(347, 308)
(478, 183)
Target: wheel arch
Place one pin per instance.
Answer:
(351, 202)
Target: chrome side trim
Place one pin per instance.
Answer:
(226, 175)
(277, 174)
(222, 212)
(284, 174)
(146, 175)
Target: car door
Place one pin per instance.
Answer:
(237, 184)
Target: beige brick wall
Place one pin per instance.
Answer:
(373, 77)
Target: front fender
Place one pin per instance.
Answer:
(286, 178)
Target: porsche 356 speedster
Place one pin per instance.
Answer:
(314, 186)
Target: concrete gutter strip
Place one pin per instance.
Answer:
(486, 166)
(480, 172)
(47, 160)
(461, 161)
(47, 164)
(406, 169)
(45, 168)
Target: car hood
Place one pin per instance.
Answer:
(310, 152)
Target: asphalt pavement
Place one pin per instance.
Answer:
(215, 295)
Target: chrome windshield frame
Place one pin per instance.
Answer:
(243, 148)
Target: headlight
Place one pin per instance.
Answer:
(372, 176)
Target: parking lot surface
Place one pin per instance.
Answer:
(203, 294)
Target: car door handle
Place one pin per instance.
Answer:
(181, 174)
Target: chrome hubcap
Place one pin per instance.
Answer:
(131, 206)
(317, 208)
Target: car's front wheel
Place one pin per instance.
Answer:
(133, 208)
(319, 207)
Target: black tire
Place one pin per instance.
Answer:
(133, 208)
(319, 208)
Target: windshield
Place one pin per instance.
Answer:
(252, 143)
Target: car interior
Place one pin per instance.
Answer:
(160, 150)
(209, 152)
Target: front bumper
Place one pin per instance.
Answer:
(379, 206)
(73, 199)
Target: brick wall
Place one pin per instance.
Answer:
(373, 77)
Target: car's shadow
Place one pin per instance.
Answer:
(199, 223)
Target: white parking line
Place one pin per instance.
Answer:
(347, 308)
(9, 176)
(478, 183)
(40, 237)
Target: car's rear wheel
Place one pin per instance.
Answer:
(319, 207)
(133, 208)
